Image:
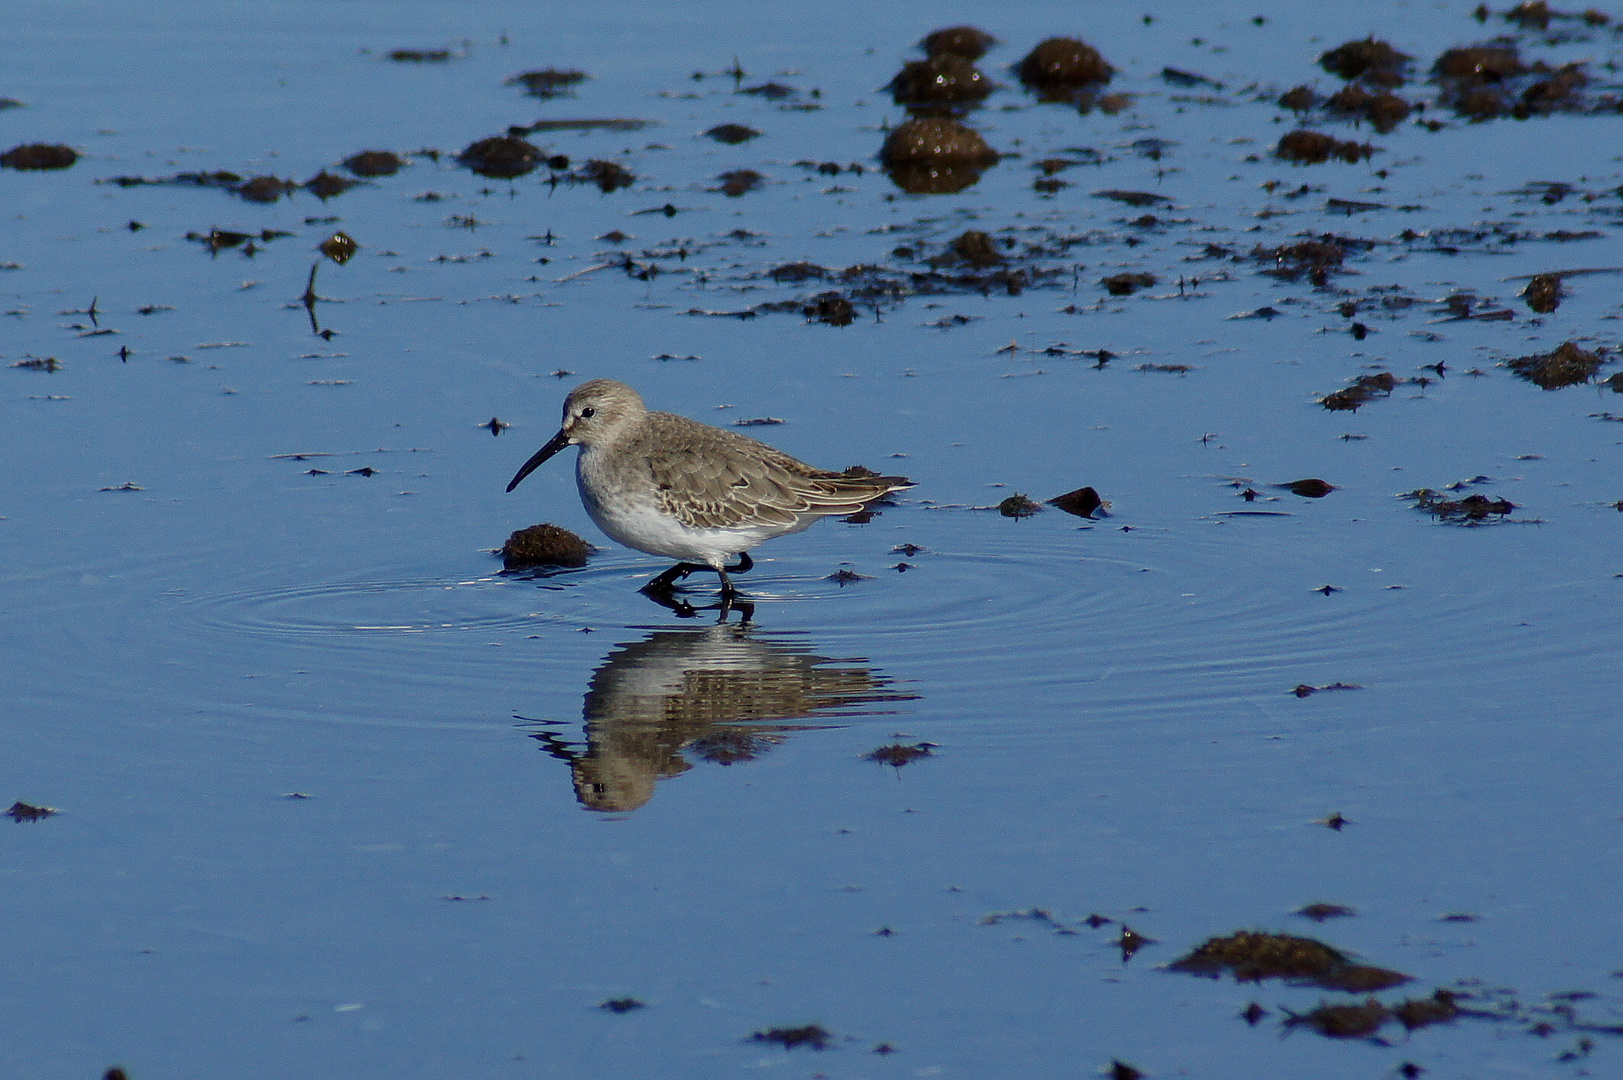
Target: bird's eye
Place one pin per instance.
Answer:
(587, 413)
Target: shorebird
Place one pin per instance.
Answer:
(670, 486)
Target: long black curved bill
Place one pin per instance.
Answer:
(559, 441)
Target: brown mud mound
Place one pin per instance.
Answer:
(544, 545)
(1059, 66)
(969, 42)
(501, 157)
(944, 79)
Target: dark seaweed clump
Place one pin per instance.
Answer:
(501, 157)
(732, 134)
(548, 82)
(1314, 259)
(1060, 67)
(1568, 365)
(1364, 389)
(943, 79)
(1373, 61)
(1315, 148)
(1252, 957)
(930, 155)
(370, 163)
(544, 545)
(39, 156)
(1471, 510)
(813, 1035)
(969, 42)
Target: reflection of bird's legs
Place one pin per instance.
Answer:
(730, 601)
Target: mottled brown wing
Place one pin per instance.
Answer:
(707, 477)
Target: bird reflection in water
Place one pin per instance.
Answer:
(722, 694)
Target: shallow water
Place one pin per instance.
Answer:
(338, 798)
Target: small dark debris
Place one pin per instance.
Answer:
(1375, 60)
(1187, 79)
(1298, 99)
(1017, 506)
(1543, 293)
(21, 812)
(1129, 941)
(609, 176)
(732, 134)
(1343, 1021)
(1305, 690)
(973, 247)
(884, 1048)
(1315, 147)
(1334, 822)
(831, 308)
(1423, 1012)
(1127, 283)
(844, 576)
(1253, 1014)
(420, 56)
(772, 91)
(38, 363)
(370, 163)
(1322, 912)
(1311, 488)
(1133, 198)
(265, 189)
(501, 157)
(39, 156)
(1120, 1070)
(897, 754)
(969, 42)
(1082, 502)
(739, 181)
(325, 185)
(544, 545)
(794, 273)
(340, 247)
(547, 83)
(1568, 365)
(622, 1005)
(1363, 389)
(1471, 510)
(813, 1035)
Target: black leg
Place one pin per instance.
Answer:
(673, 575)
(745, 564)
